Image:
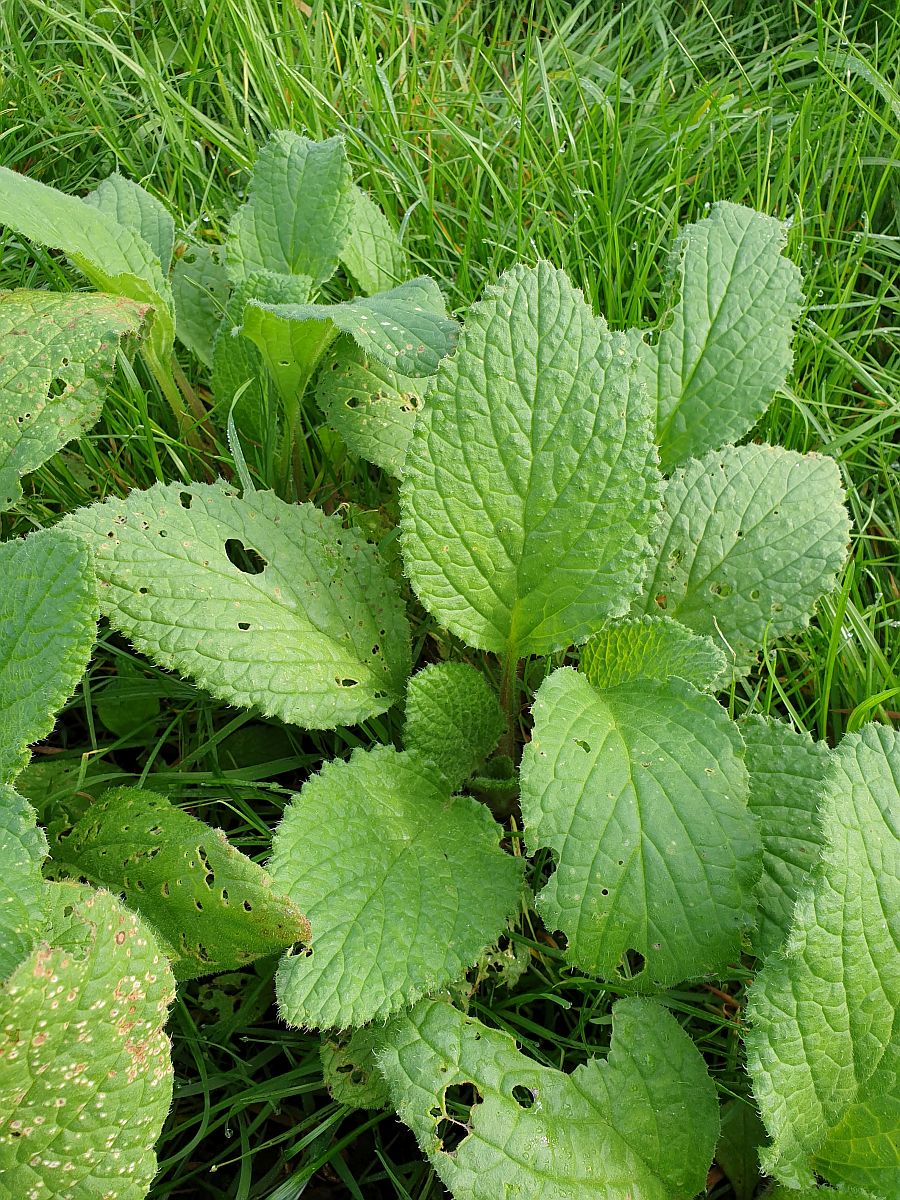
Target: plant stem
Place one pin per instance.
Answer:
(509, 702)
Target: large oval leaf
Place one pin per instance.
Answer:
(530, 482)
(641, 792)
(261, 602)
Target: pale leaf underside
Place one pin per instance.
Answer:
(642, 1124)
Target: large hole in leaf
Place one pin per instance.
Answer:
(523, 1096)
(456, 1125)
(245, 558)
(632, 963)
(56, 389)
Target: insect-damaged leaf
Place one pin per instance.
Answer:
(403, 886)
(214, 906)
(48, 623)
(726, 348)
(823, 1048)
(750, 538)
(261, 602)
(22, 892)
(643, 1123)
(85, 1075)
(642, 794)
(200, 289)
(349, 1069)
(58, 355)
(530, 482)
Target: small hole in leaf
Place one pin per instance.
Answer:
(346, 683)
(523, 1096)
(604, 891)
(203, 954)
(720, 589)
(245, 558)
(185, 499)
(376, 649)
(621, 862)
(352, 402)
(68, 910)
(583, 745)
(243, 624)
(247, 906)
(633, 962)
(143, 591)
(345, 1069)
(198, 904)
(754, 595)
(662, 600)
(455, 1126)
(165, 889)
(357, 1076)
(56, 389)
(209, 878)
(224, 895)
(163, 533)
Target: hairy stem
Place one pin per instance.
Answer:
(509, 702)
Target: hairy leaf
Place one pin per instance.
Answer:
(290, 350)
(406, 329)
(641, 793)
(643, 1123)
(372, 407)
(350, 1071)
(130, 205)
(823, 1045)
(403, 887)
(372, 252)
(752, 536)
(22, 893)
(453, 720)
(263, 603)
(297, 218)
(787, 775)
(58, 355)
(214, 906)
(86, 1080)
(530, 483)
(650, 648)
(112, 256)
(48, 623)
(726, 349)
(200, 291)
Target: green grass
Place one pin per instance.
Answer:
(490, 132)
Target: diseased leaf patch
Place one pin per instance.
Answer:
(215, 907)
(350, 1071)
(85, 1073)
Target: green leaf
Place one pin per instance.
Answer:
(58, 356)
(726, 349)
(738, 1150)
(262, 603)
(819, 1193)
(403, 887)
(297, 218)
(787, 775)
(86, 1079)
(372, 252)
(643, 1123)
(406, 329)
(530, 483)
(372, 407)
(823, 1047)
(48, 623)
(650, 648)
(751, 537)
(350, 1071)
(453, 720)
(290, 350)
(214, 906)
(22, 895)
(130, 205)
(640, 791)
(112, 256)
(200, 291)
(129, 703)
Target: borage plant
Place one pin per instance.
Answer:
(656, 839)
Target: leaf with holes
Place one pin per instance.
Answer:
(372, 252)
(297, 218)
(453, 720)
(58, 355)
(372, 407)
(112, 256)
(263, 603)
(642, 1123)
(641, 793)
(85, 1074)
(200, 291)
(751, 538)
(787, 777)
(726, 347)
(350, 1071)
(823, 1049)
(530, 483)
(406, 329)
(22, 893)
(128, 204)
(395, 915)
(651, 648)
(214, 906)
(48, 623)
